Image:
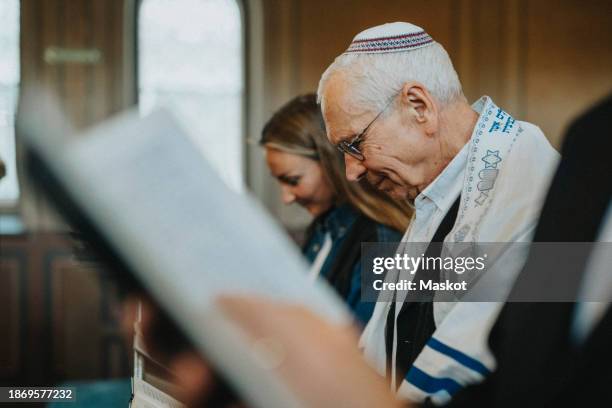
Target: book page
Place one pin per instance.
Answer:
(147, 396)
(187, 236)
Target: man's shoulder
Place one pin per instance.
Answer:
(521, 185)
(532, 133)
(529, 127)
(587, 137)
(595, 119)
(532, 148)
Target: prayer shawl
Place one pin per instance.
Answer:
(508, 168)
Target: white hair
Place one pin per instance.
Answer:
(376, 78)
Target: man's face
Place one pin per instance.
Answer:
(400, 156)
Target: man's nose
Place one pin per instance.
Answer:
(287, 195)
(354, 168)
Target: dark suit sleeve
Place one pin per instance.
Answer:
(477, 395)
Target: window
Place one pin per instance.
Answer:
(191, 60)
(9, 89)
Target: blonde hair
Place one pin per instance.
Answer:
(298, 128)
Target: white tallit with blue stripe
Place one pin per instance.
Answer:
(502, 175)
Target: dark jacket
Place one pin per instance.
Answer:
(537, 363)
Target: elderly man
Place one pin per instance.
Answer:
(394, 105)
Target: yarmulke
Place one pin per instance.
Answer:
(390, 37)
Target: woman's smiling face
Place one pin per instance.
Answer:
(302, 181)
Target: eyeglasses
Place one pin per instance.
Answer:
(352, 147)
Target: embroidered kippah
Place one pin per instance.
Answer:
(391, 37)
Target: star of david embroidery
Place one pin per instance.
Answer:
(491, 159)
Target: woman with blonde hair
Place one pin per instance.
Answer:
(310, 171)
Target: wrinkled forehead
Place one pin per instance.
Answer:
(343, 117)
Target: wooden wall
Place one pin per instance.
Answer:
(544, 61)
(77, 50)
(58, 316)
(82, 54)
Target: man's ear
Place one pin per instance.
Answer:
(421, 105)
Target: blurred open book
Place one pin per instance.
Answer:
(153, 384)
(140, 191)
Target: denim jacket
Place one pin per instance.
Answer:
(338, 222)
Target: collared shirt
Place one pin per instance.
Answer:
(434, 202)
